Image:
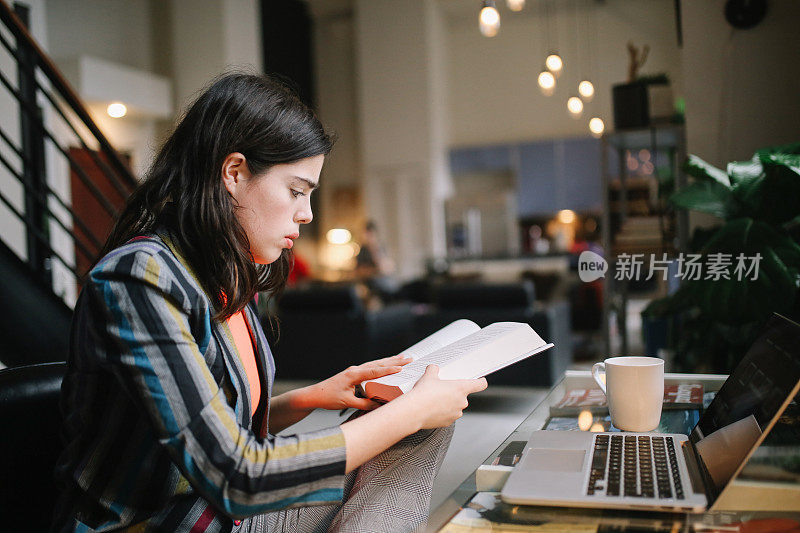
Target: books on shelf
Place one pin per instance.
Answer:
(574, 401)
(462, 350)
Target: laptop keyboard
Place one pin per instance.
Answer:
(637, 466)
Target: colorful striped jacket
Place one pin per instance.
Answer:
(156, 400)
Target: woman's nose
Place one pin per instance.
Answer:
(304, 216)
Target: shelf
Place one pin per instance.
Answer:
(666, 136)
(635, 219)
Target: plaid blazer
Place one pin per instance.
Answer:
(158, 430)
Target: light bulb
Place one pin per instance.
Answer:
(596, 126)
(586, 89)
(515, 5)
(585, 420)
(575, 105)
(554, 63)
(116, 110)
(489, 20)
(338, 236)
(547, 82)
(566, 216)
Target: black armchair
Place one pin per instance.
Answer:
(321, 330)
(31, 422)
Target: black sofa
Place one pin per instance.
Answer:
(320, 330)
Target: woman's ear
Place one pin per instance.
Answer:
(235, 173)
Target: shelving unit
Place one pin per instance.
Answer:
(636, 218)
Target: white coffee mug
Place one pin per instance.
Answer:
(634, 388)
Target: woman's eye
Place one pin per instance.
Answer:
(297, 193)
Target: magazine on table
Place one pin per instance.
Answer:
(575, 401)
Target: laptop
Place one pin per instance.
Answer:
(672, 472)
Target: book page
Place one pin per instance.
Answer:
(447, 335)
(504, 343)
(470, 344)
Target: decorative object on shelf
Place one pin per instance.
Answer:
(715, 320)
(630, 105)
(660, 102)
(637, 58)
(489, 19)
(644, 100)
(631, 109)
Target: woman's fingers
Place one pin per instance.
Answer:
(363, 404)
(475, 385)
(390, 361)
(364, 373)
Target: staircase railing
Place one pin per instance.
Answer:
(53, 123)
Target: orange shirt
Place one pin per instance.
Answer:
(244, 343)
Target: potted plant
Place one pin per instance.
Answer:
(713, 321)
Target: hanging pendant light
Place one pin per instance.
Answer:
(547, 82)
(554, 63)
(575, 106)
(586, 90)
(515, 5)
(489, 19)
(597, 126)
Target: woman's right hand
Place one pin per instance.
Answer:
(441, 402)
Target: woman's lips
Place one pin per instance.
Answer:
(287, 242)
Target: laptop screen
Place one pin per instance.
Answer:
(749, 401)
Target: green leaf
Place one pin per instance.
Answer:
(792, 161)
(792, 148)
(739, 171)
(706, 196)
(749, 193)
(780, 200)
(700, 236)
(702, 170)
(737, 301)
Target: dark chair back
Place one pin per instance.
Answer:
(31, 422)
(321, 331)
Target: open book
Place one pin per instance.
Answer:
(463, 351)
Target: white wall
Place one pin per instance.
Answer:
(399, 78)
(116, 30)
(209, 37)
(742, 86)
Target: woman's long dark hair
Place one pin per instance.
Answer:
(256, 116)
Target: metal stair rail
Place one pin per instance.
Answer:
(52, 123)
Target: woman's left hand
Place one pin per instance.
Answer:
(338, 392)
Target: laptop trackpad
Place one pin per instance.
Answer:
(545, 460)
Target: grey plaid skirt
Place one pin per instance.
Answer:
(390, 493)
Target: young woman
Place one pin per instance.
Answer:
(169, 420)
